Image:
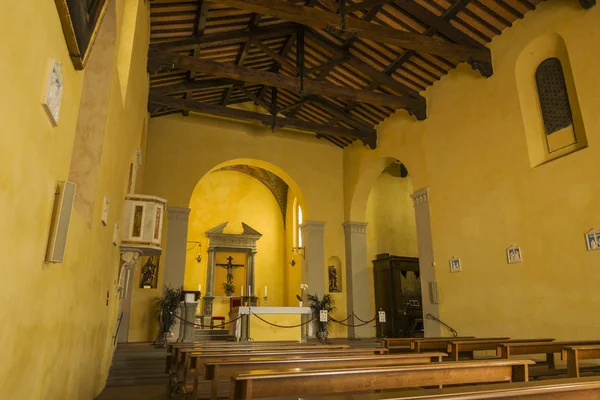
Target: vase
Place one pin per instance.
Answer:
(299, 304)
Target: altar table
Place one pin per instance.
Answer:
(252, 328)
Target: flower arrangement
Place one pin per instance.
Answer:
(300, 297)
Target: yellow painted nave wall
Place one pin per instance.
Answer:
(234, 197)
(58, 341)
(180, 151)
(485, 196)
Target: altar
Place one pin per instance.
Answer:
(250, 327)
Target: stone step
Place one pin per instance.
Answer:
(156, 379)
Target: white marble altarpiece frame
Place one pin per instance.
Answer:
(514, 255)
(54, 91)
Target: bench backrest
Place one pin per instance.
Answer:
(440, 344)
(468, 346)
(263, 384)
(505, 350)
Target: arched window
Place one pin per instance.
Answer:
(300, 220)
(554, 99)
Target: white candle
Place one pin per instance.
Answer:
(265, 291)
(200, 288)
(242, 291)
(249, 290)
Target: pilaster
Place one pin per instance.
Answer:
(358, 298)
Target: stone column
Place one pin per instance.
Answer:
(210, 286)
(358, 281)
(313, 268)
(129, 260)
(177, 230)
(250, 274)
(190, 316)
(426, 261)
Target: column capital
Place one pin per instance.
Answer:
(420, 196)
(313, 225)
(355, 227)
(178, 213)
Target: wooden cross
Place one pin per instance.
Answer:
(230, 266)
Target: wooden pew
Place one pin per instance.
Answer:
(572, 354)
(264, 384)
(180, 354)
(557, 389)
(404, 343)
(421, 345)
(217, 370)
(469, 346)
(505, 350)
(195, 365)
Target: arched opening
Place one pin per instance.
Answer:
(264, 198)
(392, 252)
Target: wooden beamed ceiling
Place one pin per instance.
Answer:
(323, 66)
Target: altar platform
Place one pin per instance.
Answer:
(252, 328)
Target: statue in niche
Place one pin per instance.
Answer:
(333, 279)
(149, 273)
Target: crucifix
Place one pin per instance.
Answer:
(228, 286)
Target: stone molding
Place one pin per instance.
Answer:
(178, 213)
(420, 196)
(313, 226)
(351, 227)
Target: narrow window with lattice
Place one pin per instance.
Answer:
(555, 105)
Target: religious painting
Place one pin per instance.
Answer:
(513, 255)
(80, 20)
(455, 265)
(592, 239)
(149, 273)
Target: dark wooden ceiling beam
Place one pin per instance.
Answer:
(170, 60)
(294, 105)
(320, 19)
(265, 119)
(266, 106)
(366, 5)
(283, 53)
(327, 64)
(284, 62)
(226, 38)
(190, 86)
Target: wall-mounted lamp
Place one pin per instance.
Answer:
(198, 258)
(296, 250)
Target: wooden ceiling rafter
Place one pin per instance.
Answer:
(356, 62)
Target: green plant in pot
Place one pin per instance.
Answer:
(167, 305)
(317, 304)
(228, 288)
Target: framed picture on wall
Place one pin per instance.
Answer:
(455, 265)
(80, 20)
(513, 255)
(592, 240)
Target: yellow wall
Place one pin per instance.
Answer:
(484, 196)
(180, 151)
(59, 344)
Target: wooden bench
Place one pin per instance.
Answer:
(572, 354)
(557, 389)
(217, 370)
(195, 365)
(440, 344)
(505, 350)
(264, 384)
(404, 343)
(173, 348)
(455, 348)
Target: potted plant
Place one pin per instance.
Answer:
(228, 288)
(167, 304)
(317, 304)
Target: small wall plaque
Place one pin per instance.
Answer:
(514, 255)
(54, 89)
(455, 265)
(592, 240)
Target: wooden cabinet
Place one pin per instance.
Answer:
(398, 293)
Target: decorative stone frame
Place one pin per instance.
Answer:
(240, 243)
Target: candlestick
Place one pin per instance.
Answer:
(249, 290)
(241, 291)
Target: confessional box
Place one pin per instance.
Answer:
(398, 293)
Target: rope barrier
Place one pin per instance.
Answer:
(285, 326)
(221, 325)
(362, 320)
(353, 325)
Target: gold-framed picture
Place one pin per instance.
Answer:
(80, 20)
